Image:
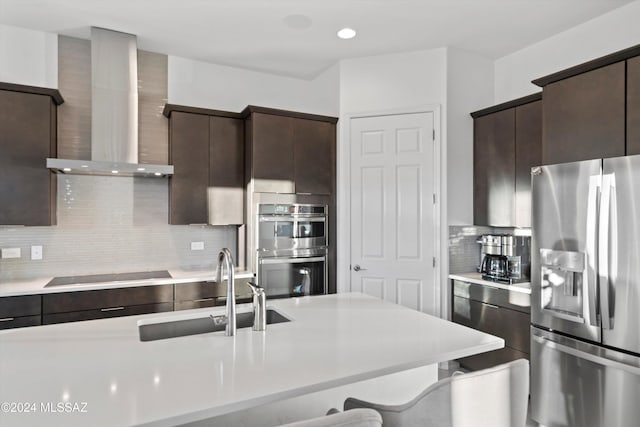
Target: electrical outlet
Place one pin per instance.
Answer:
(11, 253)
(36, 252)
(197, 246)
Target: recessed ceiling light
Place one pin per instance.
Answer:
(141, 169)
(114, 171)
(157, 174)
(67, 169)
(347, 33)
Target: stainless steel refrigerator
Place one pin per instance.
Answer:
(585, 297)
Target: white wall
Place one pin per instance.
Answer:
(201, 84)
(613, 31)
(469, 88)
(395, 81)
(28, 57)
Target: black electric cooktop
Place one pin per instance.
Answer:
(98, 278)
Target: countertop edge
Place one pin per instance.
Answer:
(38, 286)
(524, 288)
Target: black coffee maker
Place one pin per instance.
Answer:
(505, 257)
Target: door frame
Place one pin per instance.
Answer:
(343, 196)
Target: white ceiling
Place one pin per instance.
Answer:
(254, 34)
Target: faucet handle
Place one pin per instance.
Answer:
(255, 288)
(259, 307)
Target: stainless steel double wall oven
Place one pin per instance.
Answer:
(291, 249)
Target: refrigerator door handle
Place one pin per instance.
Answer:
(590, 296)
(603, 250)
(587, 356)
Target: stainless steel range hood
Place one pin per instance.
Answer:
(114, 112)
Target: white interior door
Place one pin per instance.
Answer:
(392, 209)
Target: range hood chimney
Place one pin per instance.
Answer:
(114, 111)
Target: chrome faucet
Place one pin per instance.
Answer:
(225, 259)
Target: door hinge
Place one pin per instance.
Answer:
(434, 261)
(434, 198)
(433, 134)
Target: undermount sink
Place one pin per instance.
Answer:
(201, 325)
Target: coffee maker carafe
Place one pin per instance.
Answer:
(495, 266)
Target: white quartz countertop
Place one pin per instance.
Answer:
(524, 287)
(38, 286)
(331, 341)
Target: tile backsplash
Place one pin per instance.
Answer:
(464, 252)
(111, 225)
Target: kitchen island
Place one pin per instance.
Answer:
(100, 373)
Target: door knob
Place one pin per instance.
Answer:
(358, 268)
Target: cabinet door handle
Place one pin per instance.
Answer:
(203, 299)
(7, 319)
(112, 309)
(491, 305)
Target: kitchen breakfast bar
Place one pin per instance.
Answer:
(100, 373)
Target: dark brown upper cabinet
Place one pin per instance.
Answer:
(506, 145)
(584, 116)
(633, 106)
(528, 155)
(226, 191)
(206, 148)
(290, 152)
(314, 156)
(592, 110)
(189, 155)
(27, 138)
(494, 168)
(272, 153)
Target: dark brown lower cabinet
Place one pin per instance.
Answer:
(32, 310)
(105, 303)
(208, 294)
(195, 295)
(497, 312)
(106, 313)
(20, 311)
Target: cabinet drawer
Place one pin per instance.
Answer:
(518, 301)
(199, 303)
(19, 306)
(75, 316)
(492, 358)
(197, 291)
(106, 298)
(510, 325)
(20, 322)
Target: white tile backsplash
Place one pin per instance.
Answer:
(111, 225)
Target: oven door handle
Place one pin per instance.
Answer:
(291, 260)
(292, 219)
(310, 219)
